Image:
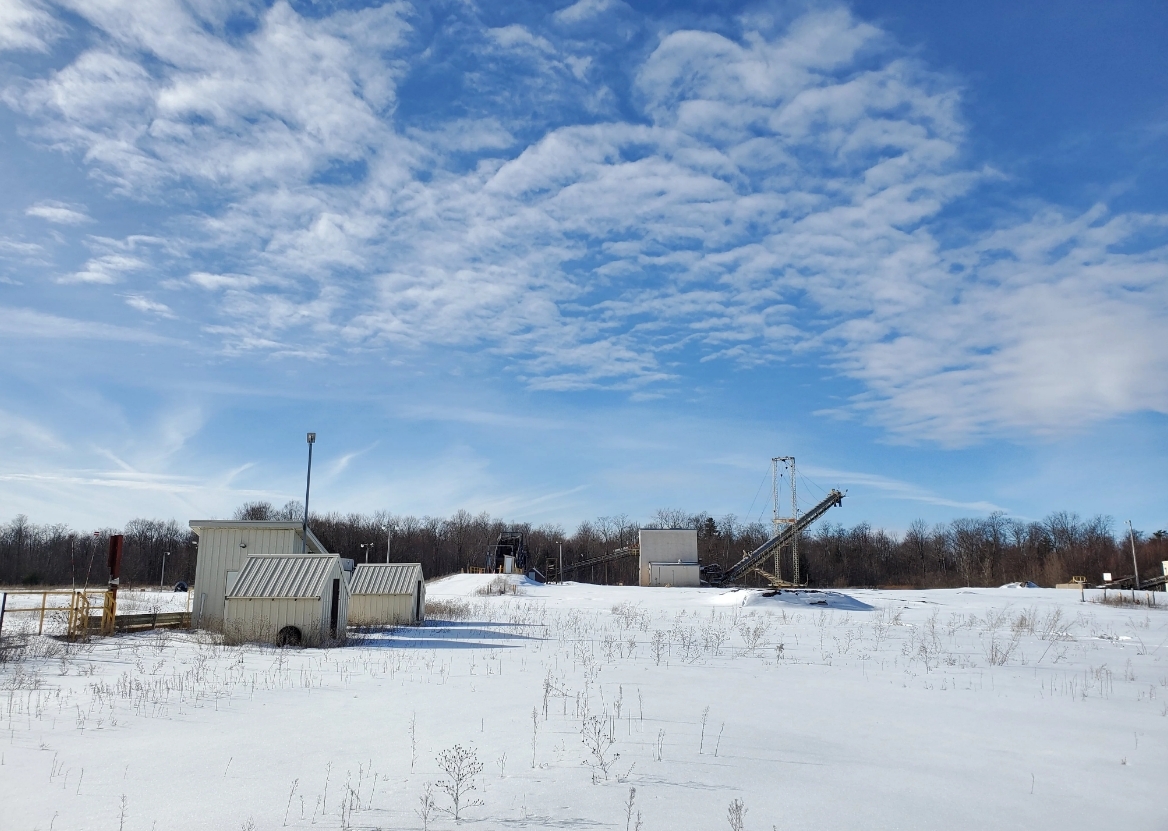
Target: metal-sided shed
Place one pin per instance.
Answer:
(292, 599)
(387, 594)
(224, 546)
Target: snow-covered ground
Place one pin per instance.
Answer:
(960, 709)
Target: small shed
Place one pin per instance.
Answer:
(387, 594)
(289, 600)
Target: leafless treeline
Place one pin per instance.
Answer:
(980, 552)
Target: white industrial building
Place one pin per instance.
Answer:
(297, 599)
(224, 546)
(387, 594)
(669, 558)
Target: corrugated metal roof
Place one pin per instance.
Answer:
(385, 578)
(284, 576)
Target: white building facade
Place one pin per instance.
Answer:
(669, 557)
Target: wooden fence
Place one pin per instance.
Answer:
(80, 606)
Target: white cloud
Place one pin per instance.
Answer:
(515, 35)
(60, 213)
(771, 195)
(14, 428)
(27, 323)
(27, 26)
(105, 270)
(20, 250)
(584, 10)
(1055, 329)
(897, 489)
(148, 306)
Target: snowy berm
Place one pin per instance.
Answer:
(593, 707)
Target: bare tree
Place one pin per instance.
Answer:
(461, 766)
(672, 518)
(736, 815)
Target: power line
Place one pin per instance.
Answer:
(750, 511)
(807, 481)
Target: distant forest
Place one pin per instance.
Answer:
(985, 551)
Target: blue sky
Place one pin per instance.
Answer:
(559, 261)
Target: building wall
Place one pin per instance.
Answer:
(381, 609)
(219, 553)
(260, 619)
(665, 547)
(388, 609)
(674, 574)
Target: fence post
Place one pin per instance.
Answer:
(108, 612)
(41, 625)
(3, 603)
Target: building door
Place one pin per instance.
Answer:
(418, 603)
(335, 609)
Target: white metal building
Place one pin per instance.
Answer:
(224, 545)
(290, 599)
(387, 594)
(668, 558)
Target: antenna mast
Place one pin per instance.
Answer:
(788, 462)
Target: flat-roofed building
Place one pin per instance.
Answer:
(669, 557)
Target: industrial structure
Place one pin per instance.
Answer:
(290, 600)
(715, 576)
(509, 554)
(224, 547)
(387, 594)
(779, 465)
(668, 558)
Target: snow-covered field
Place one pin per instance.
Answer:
(960, 709)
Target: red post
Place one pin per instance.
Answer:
(114, 562)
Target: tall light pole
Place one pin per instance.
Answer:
(307, 490)
(560, 543)
(162, 579)
(1135, 565)
(389, 529)
(366, 546)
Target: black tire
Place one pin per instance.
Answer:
(180, 586)
(288, 636)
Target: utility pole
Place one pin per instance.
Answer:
(1135, 565)
(307, 490)
(162, 579)
(560, 543)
